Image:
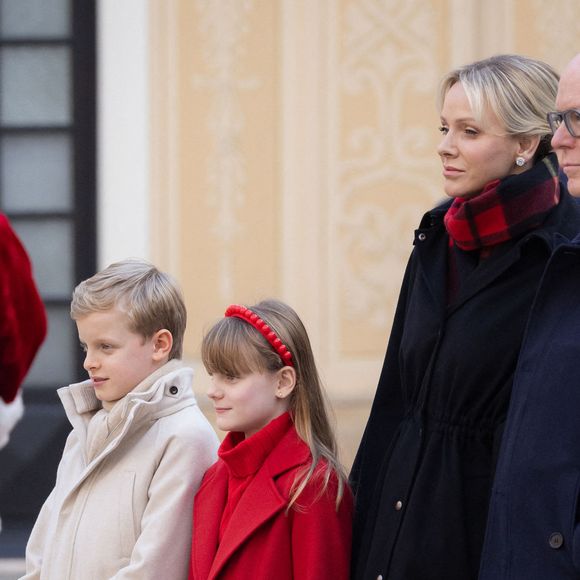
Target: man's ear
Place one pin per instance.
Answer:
(162, 344)
(286, 382)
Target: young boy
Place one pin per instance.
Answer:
(121, 507)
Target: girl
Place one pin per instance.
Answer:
(276, 504)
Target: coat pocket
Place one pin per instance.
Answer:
(126, 513)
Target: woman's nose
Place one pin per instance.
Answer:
(446, 147)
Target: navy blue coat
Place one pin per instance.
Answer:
(532, 531)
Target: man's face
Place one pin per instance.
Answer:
(567, 147)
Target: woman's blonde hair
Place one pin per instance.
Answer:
(520, 90)
(233, 347)
(150, 298)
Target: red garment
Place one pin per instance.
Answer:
(23, 319)
(244, 457)
(262, 541)
(504, 209)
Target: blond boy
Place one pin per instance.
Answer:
(121, 507)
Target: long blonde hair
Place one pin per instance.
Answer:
(233, 347)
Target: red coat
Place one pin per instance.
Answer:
(22, 315)
(262, 541)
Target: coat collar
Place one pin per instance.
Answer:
(79, 399)
(431, 243)
(164, 392)
(263, 499)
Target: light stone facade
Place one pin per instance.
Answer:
(291, 152)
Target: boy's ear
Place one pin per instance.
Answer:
(162, 343)
(286, 382)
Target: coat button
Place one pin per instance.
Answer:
(556, 540)
(380, 577)
(421, 237)
(173, 390)
(399, 505)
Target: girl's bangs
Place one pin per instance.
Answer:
(232, 348)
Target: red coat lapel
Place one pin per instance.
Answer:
(261, 501)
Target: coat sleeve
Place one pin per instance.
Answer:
(163, 546)
(37, 540)
(385, 417)
(23, 318)
(321, 534)
(44, 524)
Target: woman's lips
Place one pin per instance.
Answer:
(452, 171)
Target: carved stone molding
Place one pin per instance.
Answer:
(223, 28)
(387, 165)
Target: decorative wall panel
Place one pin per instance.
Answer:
(548, 30)
(228, 134)
(386, 165)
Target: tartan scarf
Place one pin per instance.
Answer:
(505, 209)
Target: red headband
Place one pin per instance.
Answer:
(253, 319)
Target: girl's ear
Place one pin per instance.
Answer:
(286, 382)
(162, 343)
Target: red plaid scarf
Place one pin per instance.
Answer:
(505, 209)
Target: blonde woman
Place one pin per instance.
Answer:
(425, 468)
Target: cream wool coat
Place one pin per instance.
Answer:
(125, 514)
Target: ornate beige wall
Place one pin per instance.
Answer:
(293, 150)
